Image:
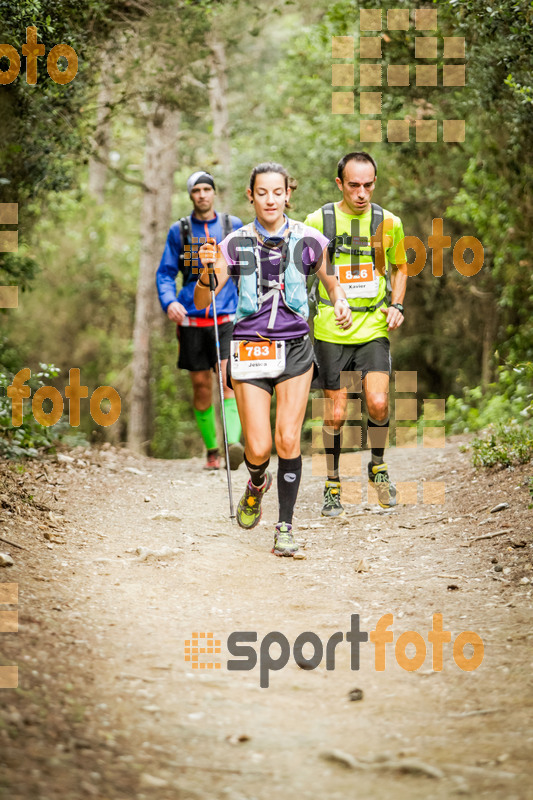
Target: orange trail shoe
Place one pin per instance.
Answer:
(213, 460)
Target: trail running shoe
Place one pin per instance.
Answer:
(379, 478)
(236, 455)
(249, 509)
(284, 543)
(213, 460)
(332, 499)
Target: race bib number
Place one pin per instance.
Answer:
(251, 360)
(358, 280)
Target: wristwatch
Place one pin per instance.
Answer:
(398, 306)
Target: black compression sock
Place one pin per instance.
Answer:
(332, 446)
(377, 436)
(289, 475)
(257, 473)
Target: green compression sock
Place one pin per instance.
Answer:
(208, 428)
(233, 422)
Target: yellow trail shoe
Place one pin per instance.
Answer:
(378, 477)
(249, 509)
(284, 542)
(332, 499)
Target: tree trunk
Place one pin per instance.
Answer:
(489, 337)
(98, 162)
(159, 168)
(490, 328)
(218, 100)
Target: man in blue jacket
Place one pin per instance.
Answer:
(195, 329)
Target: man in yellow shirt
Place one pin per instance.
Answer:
(368, 239)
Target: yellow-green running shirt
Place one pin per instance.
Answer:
(366, 325)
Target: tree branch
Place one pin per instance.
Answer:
(126, 179)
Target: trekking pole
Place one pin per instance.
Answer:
(212, 286)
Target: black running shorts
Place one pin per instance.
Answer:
(198, 350)
(334, 358)
(299, 357)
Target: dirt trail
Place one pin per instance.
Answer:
(108, 707)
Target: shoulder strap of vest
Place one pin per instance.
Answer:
(245, 237)
(329, 227)
(377, 218)
(246, 230)
(375, 221)
(227, 227)
(295, 226)
(185, 224)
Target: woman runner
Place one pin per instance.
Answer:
(270, 260)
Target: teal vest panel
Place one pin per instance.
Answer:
(251, 292)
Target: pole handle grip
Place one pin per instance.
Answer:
(213, 282)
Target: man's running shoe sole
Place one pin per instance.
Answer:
(327, 511)
(284, 554)
(236, 455)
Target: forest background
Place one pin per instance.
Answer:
(98, 169)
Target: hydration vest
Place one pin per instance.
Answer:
(290, 284)
(342, 243)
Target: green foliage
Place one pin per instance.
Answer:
(525, 93)
(510, 398)
(29, 438)
(81, 260)
(18, 269)
(504, 445)
(46, 127)
(175, 432)
(43, 128)
(82, 303)
(288, 80)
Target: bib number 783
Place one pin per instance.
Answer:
(257, 359)
(251, 350)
